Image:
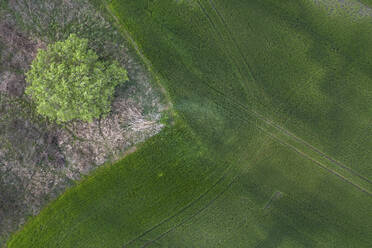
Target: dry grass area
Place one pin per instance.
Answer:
(38, 159)
(352, 8)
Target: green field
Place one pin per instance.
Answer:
(271, 140)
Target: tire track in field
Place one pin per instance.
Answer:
(303, 142)
(193, 215)
(226, 48)
(276, 125)
(190, 204)
(268, 121)
(303, 154)
(283, 130)
(205, 206)
(223, 21)
(276, 195)
(321, 165)
(235, 44)
(284, 143)
(184, 221)
(198, 211)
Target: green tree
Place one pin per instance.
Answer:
(68, 81)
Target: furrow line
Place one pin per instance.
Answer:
(319, 164)
(273, 124)
(190, 204)
(192, 216)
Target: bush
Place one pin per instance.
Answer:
(68, 81)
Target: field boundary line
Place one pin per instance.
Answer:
(124, 30)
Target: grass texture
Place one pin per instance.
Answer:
(271, 144)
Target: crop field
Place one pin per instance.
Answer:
(270, 140)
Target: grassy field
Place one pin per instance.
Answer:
(271, 145)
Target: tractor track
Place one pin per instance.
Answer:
(280, 141)
(260, 116)
(193, 215)
(190, 204)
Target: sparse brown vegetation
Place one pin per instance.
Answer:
(38, 159)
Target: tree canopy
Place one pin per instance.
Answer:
(68, 81)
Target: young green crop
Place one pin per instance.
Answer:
(68, 81)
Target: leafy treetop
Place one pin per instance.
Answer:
(69, 82)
